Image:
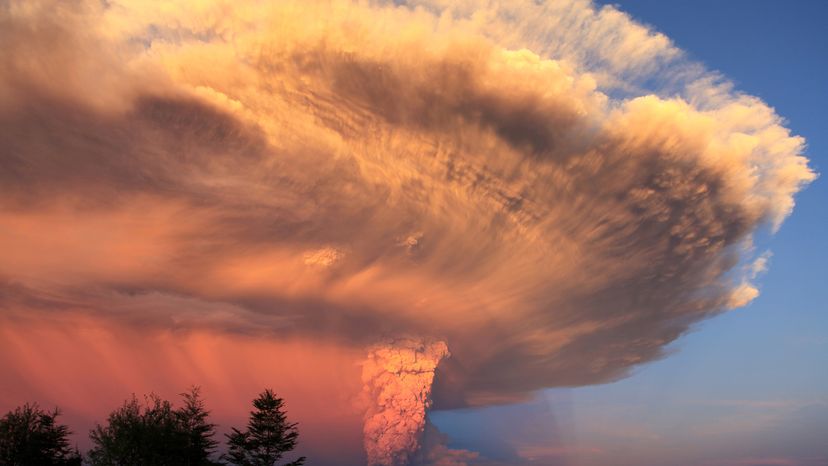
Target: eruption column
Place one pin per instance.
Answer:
(397, 379)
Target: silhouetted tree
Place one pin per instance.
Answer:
(136, 436)
(268, 436)
(31, 436)
(199, 433)
(156, 435)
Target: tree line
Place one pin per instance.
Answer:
(153, 433)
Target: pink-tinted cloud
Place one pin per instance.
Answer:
(88, 367)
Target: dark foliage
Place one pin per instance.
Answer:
(152, 433)
(155, 434)
(268, 436)
(31, 436)
(199, 432)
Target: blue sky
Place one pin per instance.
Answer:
(749, 387)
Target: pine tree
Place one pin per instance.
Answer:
(199, 433)
(268, 436)
(29, 436)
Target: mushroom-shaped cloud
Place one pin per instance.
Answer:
(490, 177)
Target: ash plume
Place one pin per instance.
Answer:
(398, 376)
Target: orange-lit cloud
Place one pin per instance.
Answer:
(336, 174)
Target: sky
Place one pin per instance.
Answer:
(748, 387)
(447, 233)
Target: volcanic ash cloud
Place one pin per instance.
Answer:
(496, 177)
(398, 376)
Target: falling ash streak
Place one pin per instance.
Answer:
(397, 378)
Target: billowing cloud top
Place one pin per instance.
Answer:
(491, 177)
